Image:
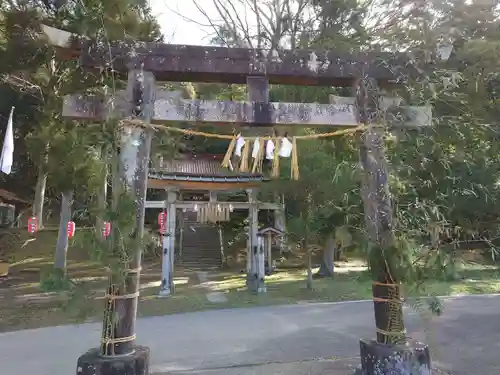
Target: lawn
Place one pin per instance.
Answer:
(25, 306)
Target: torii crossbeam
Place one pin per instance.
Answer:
(183, 63)
(176, 63)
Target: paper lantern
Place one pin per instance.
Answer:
(32, 224)
(162, 222)
(106, 230)
(70, 229)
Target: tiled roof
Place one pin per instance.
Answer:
(200, 169)
(10, 197)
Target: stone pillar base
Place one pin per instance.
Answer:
(255, 284)
(92, 363)
(382, 359)
(164, 293)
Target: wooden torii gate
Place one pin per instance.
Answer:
(146, 63)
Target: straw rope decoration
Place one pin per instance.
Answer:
(230, 137)
(226, 162)
(257, 163)
(213, 213)
(295, 175)
(276, 160)
(392, 303)
(244, 163)
(244, 157)
(111, 299)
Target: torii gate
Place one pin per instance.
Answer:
(146, 62)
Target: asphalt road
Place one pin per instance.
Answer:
(466, 338)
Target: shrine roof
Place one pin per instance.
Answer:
(9, 197)
(205, 168)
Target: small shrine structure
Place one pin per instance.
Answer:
(192, 183)
(266, 236)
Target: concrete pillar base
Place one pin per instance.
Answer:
(92, 363)
(164, 293)
(382, 359)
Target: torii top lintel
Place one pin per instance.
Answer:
(182, 63)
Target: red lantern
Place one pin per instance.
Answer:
(162, 222)
(70, 229)
(106, 230)
(32, 224)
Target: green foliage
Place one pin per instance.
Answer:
(76, 156)
(36, 79)
(54, 279)
(117, 250)
(77, 161)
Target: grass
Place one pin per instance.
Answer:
(25, 306)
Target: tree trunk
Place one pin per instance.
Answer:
(327, 267)
(62, 238)
(280, 221)
(41, 183)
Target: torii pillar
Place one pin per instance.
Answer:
(168, 246)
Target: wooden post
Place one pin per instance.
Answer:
(172, 225)
(389, 351)
(181, 234)
(168, 258)
(249, 252)
(250, 243)
(255, 280)
(261, 265)
(269, 246)
(134, 158)
(181, 227)
(280, 221)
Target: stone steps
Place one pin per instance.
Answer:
(201, 248)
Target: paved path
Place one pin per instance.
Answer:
(467, 338)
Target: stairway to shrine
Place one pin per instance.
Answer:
(201, 247)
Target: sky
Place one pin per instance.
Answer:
(178, 30)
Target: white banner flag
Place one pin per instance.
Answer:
(240, 142)
(286, 148)
(8, 146)
(256, 148)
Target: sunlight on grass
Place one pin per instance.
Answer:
(28, 261)
(79, 265)
(178, 281)
(235, 282)
(25, 286)
(351, 282)
(287, 276)
(90, 278)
